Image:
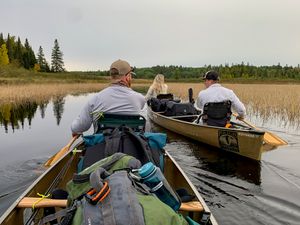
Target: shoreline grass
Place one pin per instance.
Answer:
(275, 96)
(19, 93)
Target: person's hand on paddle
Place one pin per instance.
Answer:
(240, 117)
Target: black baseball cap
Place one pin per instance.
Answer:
(211, 75)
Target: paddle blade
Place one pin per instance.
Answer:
(269, 137)
(57, 156)
(60, 153)
(48, 162)
(274, 140)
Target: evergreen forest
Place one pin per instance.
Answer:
(14, 52)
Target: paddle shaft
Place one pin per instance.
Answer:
(60, 153)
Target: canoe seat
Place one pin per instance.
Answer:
(111, 121)
(27, 202)
(216, 113)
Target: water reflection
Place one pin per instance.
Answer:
(58, 108)
(216, 161)
(226, 164)
(14, 115)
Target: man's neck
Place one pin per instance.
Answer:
(120, 83)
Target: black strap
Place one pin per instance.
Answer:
(66, 215)
(112, 142)
(115, 143)
(142, 143)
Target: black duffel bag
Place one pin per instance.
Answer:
(159, 105)
(180, 109)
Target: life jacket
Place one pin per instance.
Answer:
(98, 195)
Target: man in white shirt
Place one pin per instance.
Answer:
(214, 92)
(117, 98)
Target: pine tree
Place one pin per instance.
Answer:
(18, 52)
(57, 64)
(41, 60)
(4, 60)
(28, 56)
(9, 47)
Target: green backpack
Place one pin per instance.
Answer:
(105, 193)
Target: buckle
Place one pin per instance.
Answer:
(93, 197)
(205, 218)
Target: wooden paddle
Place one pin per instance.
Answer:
(269, 137)
(60, 153)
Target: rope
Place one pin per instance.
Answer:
(53, 185)
(39, 200)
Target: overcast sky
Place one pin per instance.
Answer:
(94, 33)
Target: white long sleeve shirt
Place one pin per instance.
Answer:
(113, 99)
(218, 93)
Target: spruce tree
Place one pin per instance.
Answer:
(41, 60)
(19, 52)
(28, 56)
(57, 64)
(9, 47)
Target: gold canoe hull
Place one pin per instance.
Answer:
(245, 142)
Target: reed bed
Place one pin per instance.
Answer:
(261, 100)
(19, 94)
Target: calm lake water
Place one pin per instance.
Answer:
(237, 190)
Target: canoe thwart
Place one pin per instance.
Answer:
(184, 116)
(28, 202)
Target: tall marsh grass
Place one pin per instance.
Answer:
(19, 94)
(261, 100)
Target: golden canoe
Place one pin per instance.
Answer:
(244, 141)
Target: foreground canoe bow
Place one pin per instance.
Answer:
(244, 141)
(57, 175)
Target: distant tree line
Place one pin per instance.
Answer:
(244, 71)
(13, 51)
